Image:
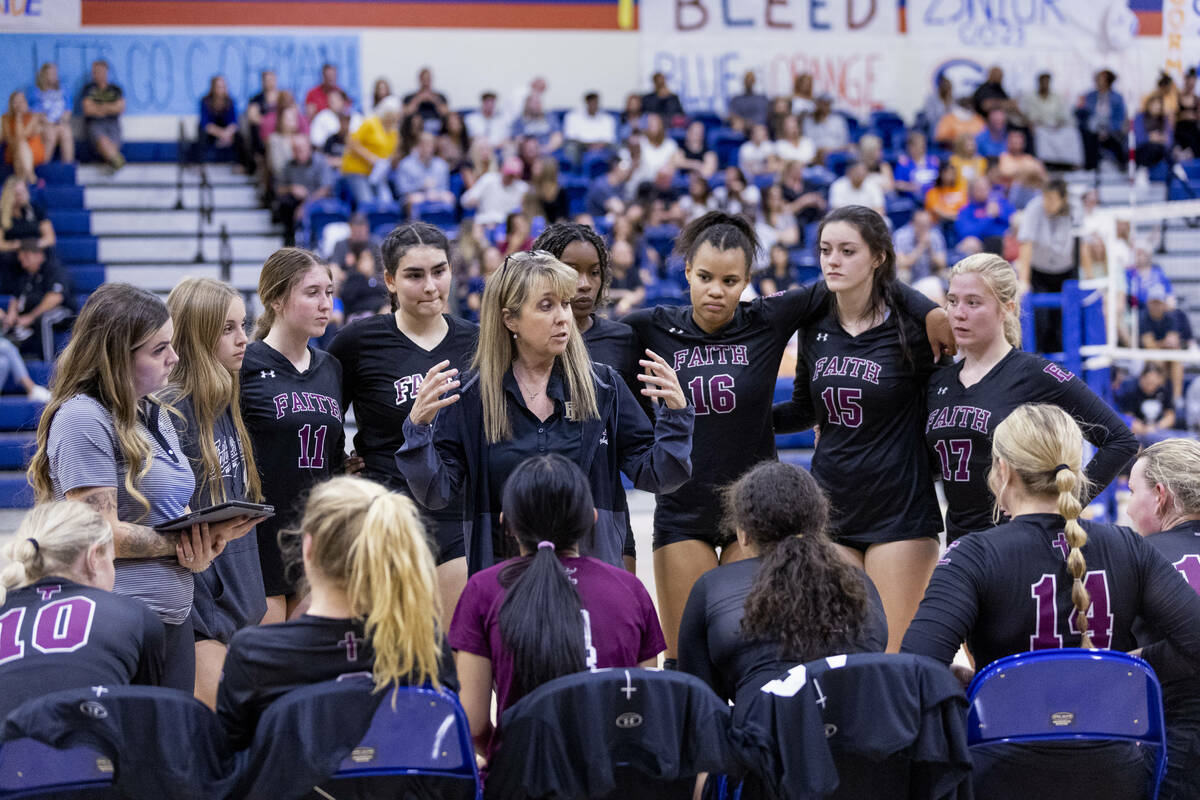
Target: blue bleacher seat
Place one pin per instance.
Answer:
(576, 187)
(382, 213)
(443, 215)
(86, 277)
(595, 163)
(661, 239)
(29, 768)
(899, 210)
(837, 162)
(56, 172)
(77, 249)
(853, 126)
(70, 221)
(725, 143)
(764, 181)
(55, 196)
(322, 212)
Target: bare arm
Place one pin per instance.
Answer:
(475, 694)
(1024, 262)
(129, 540)
(49, 300)
(46, 237)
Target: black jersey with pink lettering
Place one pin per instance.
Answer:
(295, 425)
(1008, 590)
(960, 422)
(57, 634)
(382, 371)
(729, 376)
(868, 396)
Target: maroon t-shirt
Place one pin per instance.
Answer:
(621, 628)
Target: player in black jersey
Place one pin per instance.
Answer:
(61, 627)
(1026, 585)
(1164, 504)
(210, 339)
(863, 374)
(967, 401)
(292, 405)
(727, 356)
(608, 342)
(383, 360)
(374, 608)
(793, 600)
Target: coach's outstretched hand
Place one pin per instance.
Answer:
(197, 548)
(661, 381)
(437, 382)
(940, 334)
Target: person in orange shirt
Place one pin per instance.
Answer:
(370, 151)
(966, 160)
(946, 197)
(960, 119)
(21, 132)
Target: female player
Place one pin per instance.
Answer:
(292, 405)
(607, 341)
(60, 567)
(210, 338)
(384, 358)
(968, 400)
(1027, 585)
(792, 599)
(1164, 504)
(374, 609)
(727, 354)
(103, 439)
(533, 390)
(548, 612)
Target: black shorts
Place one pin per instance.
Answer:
(448, 542)
(863, 543)
(281, 571)
(230, 594)
(716, 539)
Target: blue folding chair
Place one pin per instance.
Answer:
(1069, 695)
(31, 769)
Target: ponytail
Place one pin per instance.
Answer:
(370, 542)
(49, 541)
(1069, 509)
(280, 273)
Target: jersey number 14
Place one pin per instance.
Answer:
(1046, 631)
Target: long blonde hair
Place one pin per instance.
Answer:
(63, 531)
(1175, 463)
(98, 362)
(198, 307)
(280, 273)
(1043, 445)
(507, 290)
(370, 543)
(8, 202)
(1001, 279)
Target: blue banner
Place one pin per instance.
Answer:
(168, 74)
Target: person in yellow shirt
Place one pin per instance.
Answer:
(369, 153)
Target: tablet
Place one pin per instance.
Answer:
(218, 513)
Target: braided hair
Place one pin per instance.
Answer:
(557, 237)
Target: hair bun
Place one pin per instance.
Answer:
(1060, 468)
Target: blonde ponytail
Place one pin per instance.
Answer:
(1069, 509)
(49, 540)
(370, 543)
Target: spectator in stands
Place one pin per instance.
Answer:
(631, 121)
(853, 189)
(650, 152)
(967, 162)
(920, 249)
(551, 199)
(792, 144)
(990, 96)
(806, 201)
(590, 129)
(757, 155)
(421, 176)
(946, 198)
(261, 104)
(1153, 133)
(939, 103)
(748, 108)
(696, 201)
(271, 119)
(736, 195)
(103, 105)
(453, 143)
(518, 233)
(1147, 399)
(307, 177)
(662, 100)
(13, 365)
(345, 252)
(219, 133)
(426, 101)
(604, 195)
(49, 100)
(21, 134)
(1018, 171)
(1162, 327)
(1046, 257)
(779, 110)
(317, 98)
(993, 139)
(370, 151)
(496, 194)
(879, 171)
(1144, 275)
(1104, 120)
(826, 129)
(363, 292)
(382, 88)
(328, 121)
(1187, 120)
(627, 283)
(775, 224)
(961, 120)
(279, 143)
(802, 102)
(488, 123)
(779, 275)
(1055, 136)
(694, 155)
(534, 123)
(41, 305)
(916, 169)
(481, 159)
(20, 219)
(530, 153)
(983, 221)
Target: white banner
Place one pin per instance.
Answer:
(1095, 26)
(39, 15)
(1181, 36)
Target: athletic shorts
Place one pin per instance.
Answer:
(449, 542)
(715, 539)
(862, 543)
(230, 594)
(281, 572)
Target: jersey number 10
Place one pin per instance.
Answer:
(1045, 595)
(60, 627)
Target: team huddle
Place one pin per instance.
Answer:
(480, 512)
